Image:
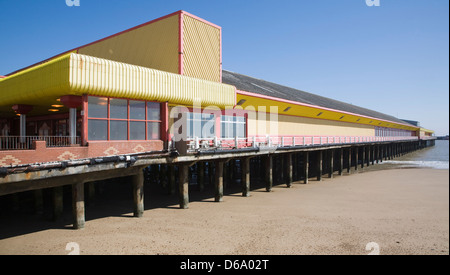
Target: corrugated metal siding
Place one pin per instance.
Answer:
(36, 84)
(201, 49)
(77, 74)
(153, 46)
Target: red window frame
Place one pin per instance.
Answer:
(128, 120)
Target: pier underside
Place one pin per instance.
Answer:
(178, 173)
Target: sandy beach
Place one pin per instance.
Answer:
(404, 211)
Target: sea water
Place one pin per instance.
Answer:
(436, 157)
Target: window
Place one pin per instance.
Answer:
(201, 125)
(233, 126)
(122, 119)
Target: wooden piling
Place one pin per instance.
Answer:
(331, 164)
(201, 176)
(78, 211)
(245, 166)
(288, 170)
(184, 186)
(341, 161)
(219, 181)
(138, 194)
(349, 161)
(57, 202)
(269, 173)
(306, 166)
(172, 180)
(319, 165)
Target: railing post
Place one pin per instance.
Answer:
(197, 143)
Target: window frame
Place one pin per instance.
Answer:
(129, 121)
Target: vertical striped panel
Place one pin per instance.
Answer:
(154, 45)
(202, 49)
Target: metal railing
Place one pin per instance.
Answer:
(26, 143)
(196, 144)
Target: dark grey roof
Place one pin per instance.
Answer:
(258, 86)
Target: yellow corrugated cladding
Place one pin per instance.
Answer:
(77, 74)
(36, 84)
(285, 108)
(153, 45)
(201, 53)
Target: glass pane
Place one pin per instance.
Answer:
(153, 111)
(98, 107)
(153, 130)
(118, 108)
(97, 129)
(137, 130)
(118, 130)
(208, 126)
(240, 130)
(137, 110)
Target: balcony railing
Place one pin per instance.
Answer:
(26, 143)
(196, 144)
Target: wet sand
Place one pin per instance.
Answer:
(405, 211)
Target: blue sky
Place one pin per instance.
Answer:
(393, 58)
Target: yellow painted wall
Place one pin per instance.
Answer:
(153, 46)
(202, 50)
(301, 126)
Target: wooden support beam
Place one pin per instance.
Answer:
(172, 180)
(184, 185)
(306, 166)
(341, 161)
(138, 194)
(219, 181)
(331, 164)
(57, 202)
(201, 175)
(319, 165)
(288, 170)
(78, 210)
(349, 160)
(245, 165)
(363, 157)
(269, 173)
(356, 158)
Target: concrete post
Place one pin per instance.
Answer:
(138, 194)
(78, 210)
(245, 177)
(219, 181)
(184, 186)
(341, 161)
(356, 158)
(269, 173)
(306, 167)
